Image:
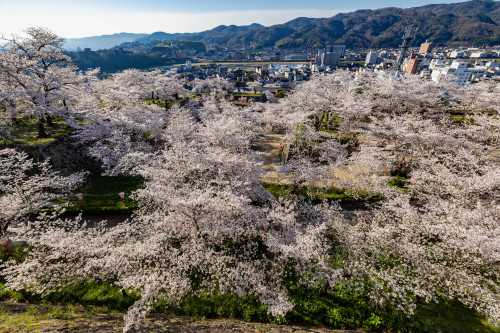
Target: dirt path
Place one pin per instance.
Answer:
(269, 143)
(24, 318)
(495, 155)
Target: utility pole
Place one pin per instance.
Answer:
(408, 35)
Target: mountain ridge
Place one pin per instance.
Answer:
(102, 41)
(475, 22)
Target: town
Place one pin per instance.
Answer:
(282, 70)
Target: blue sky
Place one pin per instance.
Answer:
(198, 6)
(92, 17)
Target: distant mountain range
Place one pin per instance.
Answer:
(101, 42)
(218, 34)
(474, 22)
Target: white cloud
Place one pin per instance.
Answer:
(69, 21)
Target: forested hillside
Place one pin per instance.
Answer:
(473, 23)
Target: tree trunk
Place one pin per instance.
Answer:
(41, 128)
(65, 106)
(465, 112)
(49, 120)
(318, 121)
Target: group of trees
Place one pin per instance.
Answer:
(111, 61)
(205, 221)
(438, 232)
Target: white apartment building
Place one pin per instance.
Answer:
(426, 73)
(457, 72)
(477, 72)
(371, 58)
(478, 54)
(456, 54)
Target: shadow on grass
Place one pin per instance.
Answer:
(316, 194)
(26, 131)
(100, 195)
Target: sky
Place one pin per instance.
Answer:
(70, 19)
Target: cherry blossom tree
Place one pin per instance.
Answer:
(422, 241)
(38, 73)
(255, 86)
(167, 86)
(440, 231)
(113, 134)
(476, 97)
(205, 223)
(127, 87)
(204, 216)
(27, 187)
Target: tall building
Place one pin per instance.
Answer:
(331, 55)
(413, 63)
(371, 58)
(330, 59)
(336, 48)
(426, 47)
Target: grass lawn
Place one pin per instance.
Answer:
(241, 103)
(26, 131)
(100, 195)
(335, 307)
(317, 194)
(248, 94)
(458, 119)
(33, 316)
(161, 103)
(399, 182)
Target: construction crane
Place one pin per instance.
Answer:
(409, 34)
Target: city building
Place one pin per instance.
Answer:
(330, 56)
(426, 47)
(336, 48)
(478, 54)
(426, 73)
(413, 62)
(330, 59)
(457, 72)
(371, 58)
(456, 54)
